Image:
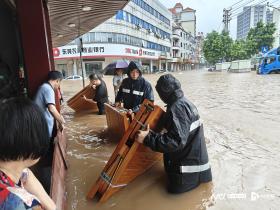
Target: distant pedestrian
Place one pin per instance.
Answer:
(63, 73)
(117, 80)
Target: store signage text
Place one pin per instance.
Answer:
(139, 52)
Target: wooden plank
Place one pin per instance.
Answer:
(78, 104)
(58, 190)
(117, 121)
(130, 159)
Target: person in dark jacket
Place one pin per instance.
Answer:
(134, 89)
(183, 143)
(101, 94)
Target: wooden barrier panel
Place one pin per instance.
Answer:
(58, 189)
(130, 159)
(117, 121)
(78, 104)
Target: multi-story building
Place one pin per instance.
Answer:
(183, 49)
(184, 17)
(249, 18)
(276, 20)
(199, 48)
(141, 31)
(184, 46)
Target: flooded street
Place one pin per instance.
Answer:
(241, 116)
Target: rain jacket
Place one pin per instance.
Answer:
(133, 92)
(183, 145)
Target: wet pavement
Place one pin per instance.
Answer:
(241, 116)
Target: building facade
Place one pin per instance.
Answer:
(184, 17)
(184, 55)
(141, 32)
(276, 20)
(185, 49)
(249, 18)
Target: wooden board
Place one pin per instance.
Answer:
(78, 104)
(58, 189)
(130, 159)
(117, 121)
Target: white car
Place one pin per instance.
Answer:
(74, 77)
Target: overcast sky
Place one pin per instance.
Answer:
(209, 13)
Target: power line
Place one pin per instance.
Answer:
(274, 1)
(237, 13)
(227, 13)
(235, 3)
(232, 13)
(243, 5)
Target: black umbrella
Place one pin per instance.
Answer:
(111, 68)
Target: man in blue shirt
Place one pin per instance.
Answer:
(45, 99)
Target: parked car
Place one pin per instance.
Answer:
(212, 68)
(74, 77)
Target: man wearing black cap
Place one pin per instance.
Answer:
(185, 154)
(134, 89)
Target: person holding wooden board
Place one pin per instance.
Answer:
(183, 143)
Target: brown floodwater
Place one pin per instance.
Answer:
(241, 115)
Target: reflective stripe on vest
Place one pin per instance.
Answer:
(195, 125)
(138, 93)
(125, 90)
(195, 168)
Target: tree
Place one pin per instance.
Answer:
(216, 47)
(227, 43)
(261, 35)
(239, 50)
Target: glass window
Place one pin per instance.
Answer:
(114, 38)
(270, 60)
(97, 37)
(119, 15)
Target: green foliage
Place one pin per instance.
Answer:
(227, 43)
(216, 47)
(220, 47)
(261, 35)
(239, 50)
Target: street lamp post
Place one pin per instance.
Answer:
(81, 59)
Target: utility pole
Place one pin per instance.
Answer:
(226, 19)
(80, 48)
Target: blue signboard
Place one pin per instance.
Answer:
(264, 49)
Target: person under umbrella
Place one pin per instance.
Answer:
(118, 76)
